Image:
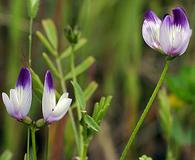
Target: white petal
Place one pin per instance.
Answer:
(151, 30)
(49, 98)
(8, 104)
(26, 99)
(64, 95)
(60, 110)
(14, 99)
(48, 103)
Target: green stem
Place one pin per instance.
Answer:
(84, 152)
(33, 130)
(81, 140)
(30, 41)
(146, 110)
(62, 81)
(74, 78)
(28, 144)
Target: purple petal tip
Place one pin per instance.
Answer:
(150, 15)
(49, 80)
(24, 77)
(180, 17)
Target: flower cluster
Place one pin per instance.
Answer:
(171, 35)
(19, 102)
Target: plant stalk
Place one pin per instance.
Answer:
(62, 81)
(28, 144)
(33, 130)
(81, 139)
(146, 110)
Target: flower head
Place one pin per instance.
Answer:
(151, 29)
(52, 111)
(19, 102)
(175, 33)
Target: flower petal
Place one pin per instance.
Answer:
(49, 98)
(175, 33)
(25, 99)
(61, 108)
(150, 29)
(180, 18)
(165, 34)
(24, 78)
(8, 104)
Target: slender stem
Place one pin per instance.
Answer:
(62, 82)
(146, 110)
(74, 77)
(81, 139)
(33, 130)
(46, 142)
(30, 41)
(28, 144)
(84, 152)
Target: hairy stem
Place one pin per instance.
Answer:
(146, 110)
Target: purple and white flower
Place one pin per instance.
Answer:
(19, 102)
(175, 33)
(151, 29)
(52, 111)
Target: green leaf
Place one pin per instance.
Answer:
(144, 157)
(37, 84)
(51, 32)
(91, 123)
(79, 94)
(67, 52)
(81, 68)
(44, 40)
(51, 65)
(101, 108)
(91, 88)
(6, 155)
(33, 6)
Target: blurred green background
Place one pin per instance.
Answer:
(125, 68)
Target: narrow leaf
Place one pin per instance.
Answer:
(51, 65)
(44, 40)
(81, 68)
(68, 51)
(101, 109)
(90, 122)
(51, 32)
(79, 94)
(37, 84)
(91, 88)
